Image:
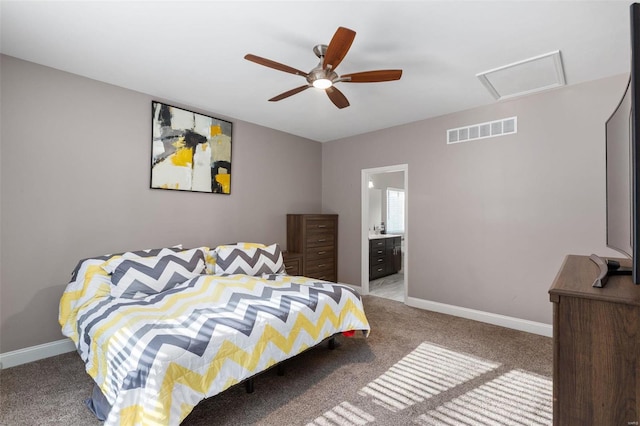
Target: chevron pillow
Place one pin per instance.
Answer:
(141, 277)
(250, 261)
(116, 259)
(213, 254)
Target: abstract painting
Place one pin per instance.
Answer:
(190, 151)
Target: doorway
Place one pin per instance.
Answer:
(384, 223)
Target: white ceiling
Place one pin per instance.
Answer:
(192, 52)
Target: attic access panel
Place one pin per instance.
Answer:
(524, 77)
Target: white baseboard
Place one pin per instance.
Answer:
(35, 353)
(472, 314)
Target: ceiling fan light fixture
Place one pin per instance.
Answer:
(322, 83)
(324, 76)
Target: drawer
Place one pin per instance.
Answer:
(377, 243)
(292, 263)
(377, 271)
(319, 239)
(318, 265)
(292, 267)
(320, 225)
(378, 261)
(326, 252)
(377, 251)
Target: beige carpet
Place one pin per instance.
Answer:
(416, 368)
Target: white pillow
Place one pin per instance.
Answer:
(250, 261)
(141, 277)
(112, 263)
(212, 255)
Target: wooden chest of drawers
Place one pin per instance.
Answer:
(315, 236)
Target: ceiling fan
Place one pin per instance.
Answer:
(323, 76)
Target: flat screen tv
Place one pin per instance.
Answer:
(623, 160)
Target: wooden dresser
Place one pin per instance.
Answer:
(315, 236)
(596, 347)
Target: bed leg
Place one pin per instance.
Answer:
(248, 384)
(280, 369)
(332, 343)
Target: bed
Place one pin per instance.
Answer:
(160, 330)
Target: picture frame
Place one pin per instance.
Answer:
(190, 151)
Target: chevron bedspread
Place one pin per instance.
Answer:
(154, 358)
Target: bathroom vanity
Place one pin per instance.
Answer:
(385, 255)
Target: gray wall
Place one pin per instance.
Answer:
(75, 157)
(490, 221)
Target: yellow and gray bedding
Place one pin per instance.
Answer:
(166, 334)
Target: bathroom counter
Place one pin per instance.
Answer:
(377, 236)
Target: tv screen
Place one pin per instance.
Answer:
(619, 183)
(623, 160)
(634, 141)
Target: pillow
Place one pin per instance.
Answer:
(141, 277)
(210, 261)
(213, 254)
(112, 263)
(250, 261)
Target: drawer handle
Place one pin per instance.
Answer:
(321, 252)
(380, 252)
(322, 240)
(322, 226)
(380, 269)
(320, 266)
(380, 260)
(288, 267)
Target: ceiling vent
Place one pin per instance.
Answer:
(506, 126)
(524, 77)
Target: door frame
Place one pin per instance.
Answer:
(364, 224)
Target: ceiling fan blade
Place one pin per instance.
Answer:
(372, 76)
(273, 64)
(288, 93)
(336, 96)
(338, 47)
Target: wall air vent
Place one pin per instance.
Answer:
(505, 126)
